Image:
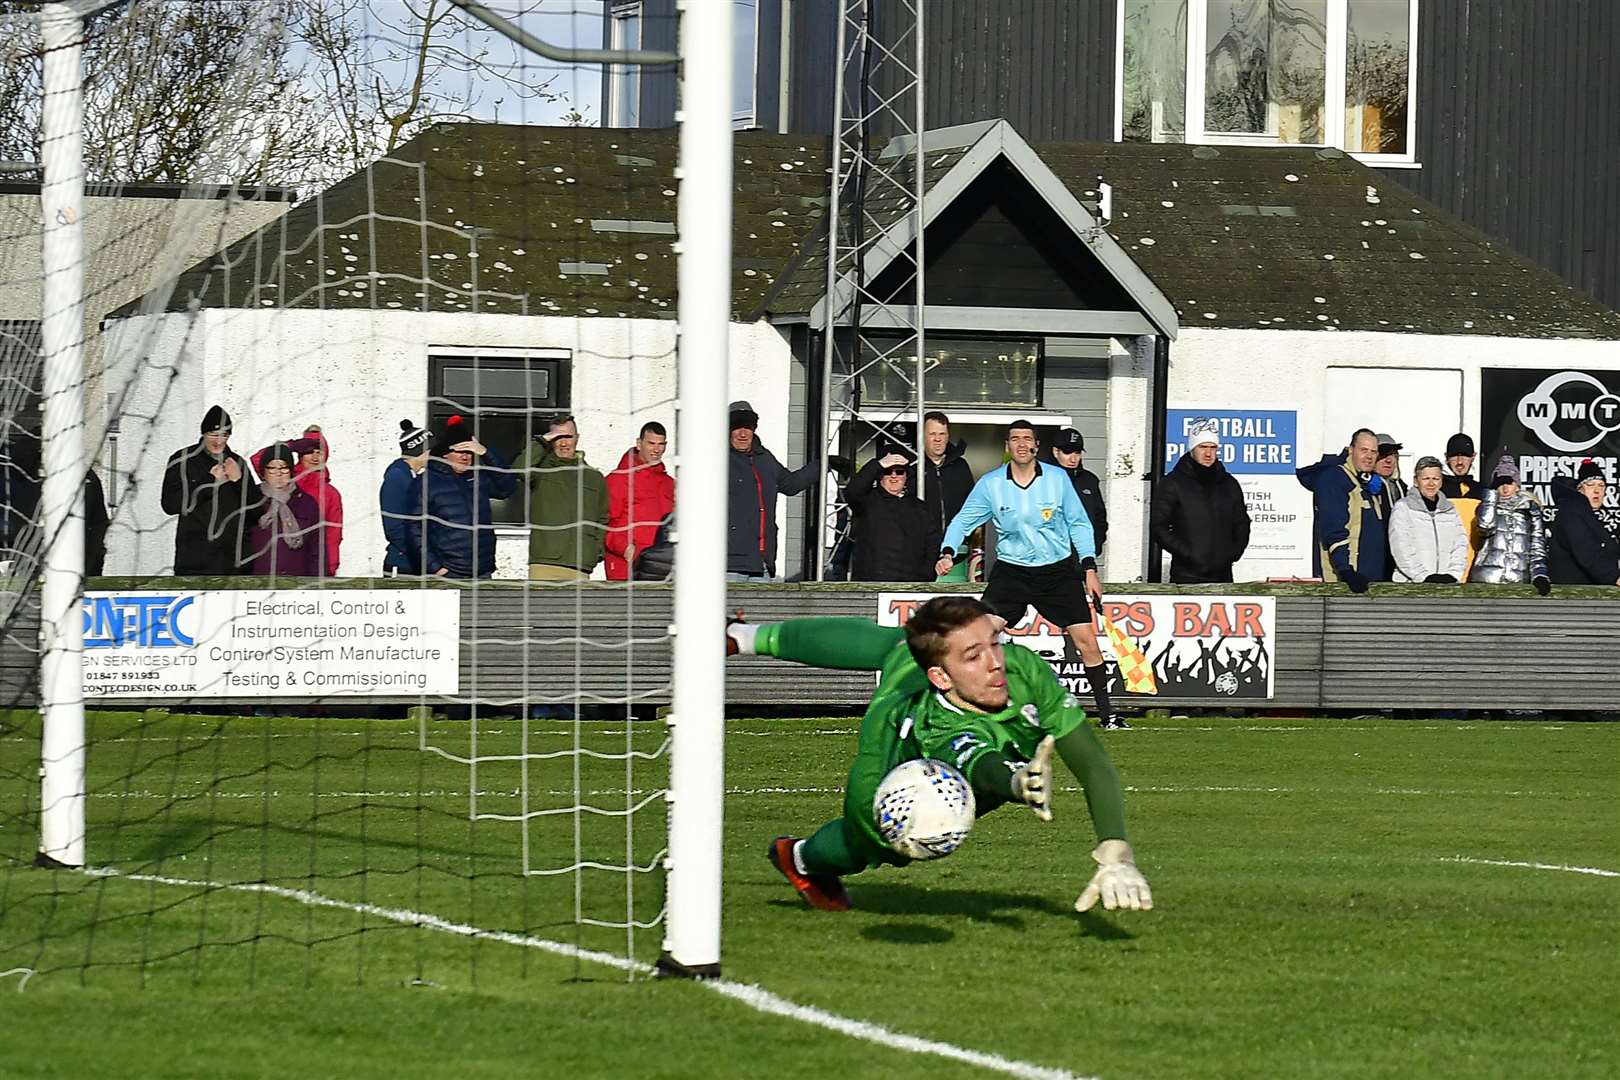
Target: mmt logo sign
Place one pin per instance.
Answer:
(1570, 411)
(148, 620)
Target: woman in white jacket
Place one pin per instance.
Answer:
(1426, 538)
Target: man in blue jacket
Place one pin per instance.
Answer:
(449, 519)
(396, 495)
(1046, 553)
(1352, 540)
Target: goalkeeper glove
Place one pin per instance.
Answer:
(1032, 781)
(1117, 882)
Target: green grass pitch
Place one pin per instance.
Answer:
(1312, 919)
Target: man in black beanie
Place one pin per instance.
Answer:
(205, 485)
(756, 479)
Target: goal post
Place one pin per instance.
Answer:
(697, 752)
(62, 751)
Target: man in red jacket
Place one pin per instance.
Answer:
(641, 494)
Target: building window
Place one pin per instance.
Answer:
(510, 395)
(959, 371)
(745, 62)
(1270, 72)
(624, 80)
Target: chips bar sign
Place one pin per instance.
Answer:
(269, 644)
(1209, 648)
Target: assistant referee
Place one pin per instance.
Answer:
(1046, 553)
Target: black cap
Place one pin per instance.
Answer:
(456, 430)
(1460, 443)
(216, 419)
(743, 415)
(1589, 470)
(279, 452)
(1069, 440)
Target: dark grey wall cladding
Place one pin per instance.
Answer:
(605, 644)
(1518, 129)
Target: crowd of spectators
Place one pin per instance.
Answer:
(279, 513)
(1445, 529)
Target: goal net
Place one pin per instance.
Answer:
(342, 422)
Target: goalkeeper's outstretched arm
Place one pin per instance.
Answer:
(846, 644)
(1117, 882)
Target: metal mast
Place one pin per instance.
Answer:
(873, 352)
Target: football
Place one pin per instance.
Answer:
(924, 809)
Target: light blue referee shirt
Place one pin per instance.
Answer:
(1035, 526)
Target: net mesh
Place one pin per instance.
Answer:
(372, 213)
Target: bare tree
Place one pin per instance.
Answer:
(288, 92)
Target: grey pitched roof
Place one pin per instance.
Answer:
(577, 221)
(569, 221)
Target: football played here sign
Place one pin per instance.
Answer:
(1212, 648)
(255, 643)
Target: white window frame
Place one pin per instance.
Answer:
(742, 121)
(1338, 16)
(624, 80)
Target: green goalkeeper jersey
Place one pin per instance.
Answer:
(1037, 706)
(908, 719)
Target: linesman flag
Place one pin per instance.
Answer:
(1134, 667)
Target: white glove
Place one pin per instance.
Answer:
(1117, 882)
(1032, 781)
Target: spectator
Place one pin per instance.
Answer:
(949, 478)
(568, 505)
(1388, 466)
(641, 495)
(1426, 538)
(284, 520)
(310, 474)
(1460, 484)
(896, 536)
(1351, 530)
(1582, 551)
(1511, 521)
(1462, 489)
(1199, 515)
(400, 480)
(207, 487)
(756, 480)
(20, 481)
(1068, 451)
(95, 525)
(1392, 488)
(449, 520)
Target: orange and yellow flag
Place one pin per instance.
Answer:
(1134, 667)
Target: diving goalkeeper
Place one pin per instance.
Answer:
(950, 690)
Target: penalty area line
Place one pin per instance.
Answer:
(754, 997)
(1591, 870)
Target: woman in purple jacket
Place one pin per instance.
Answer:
(284, 523)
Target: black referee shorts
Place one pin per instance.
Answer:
(1057, 590)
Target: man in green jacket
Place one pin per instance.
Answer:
(568, 505)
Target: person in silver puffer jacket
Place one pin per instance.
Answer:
(1514, 550)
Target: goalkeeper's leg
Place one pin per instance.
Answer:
(851, 843)
(846, 644)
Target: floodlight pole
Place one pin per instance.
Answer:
(703, 323)
(61, 505)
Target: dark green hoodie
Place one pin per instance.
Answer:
(568, 508)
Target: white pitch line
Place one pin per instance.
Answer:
(1592, 870)
(755, 997)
